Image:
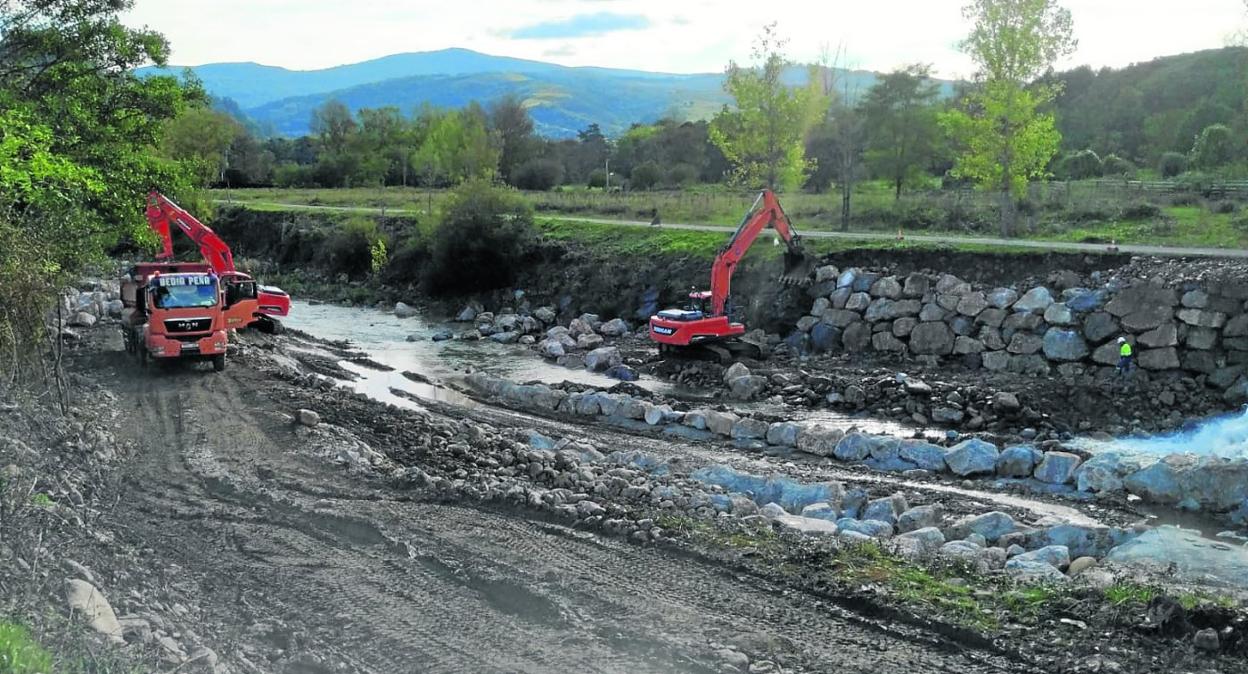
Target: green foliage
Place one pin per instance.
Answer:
(353, 249)
(20, 653)
(901, 126)
(200, 137)
(597, 178)
(510, 120)
(762, 137)
(1130, 593)
(1214, 148)
(1081, 165)
(646, 175)
(1113, 166)
(42, 500)
(1172, 164)
(541, 174)
(456, 146)
(378, 255)
(682, 175)
(485, 235)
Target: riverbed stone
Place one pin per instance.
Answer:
(86, 601)
(923, 454)
(748, 428)
(1018, 461)
(588, 341)
(748, 387)
(616, 327)
(990, 525)
(1034, 571)
(403, 310)
(505, 337)
(876, 529)
(854, 447)
(783, 433)
(1057, 467)
(720, 423)
(602, 358)
(1054, 555)
(931, 338)
(1064, 345)
(972, 457)
(922, 542)
(920, 517)
(550, 348)
(819, 440)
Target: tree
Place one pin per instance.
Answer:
(1171, 164)
(1081, 165)
(1004, 137)
(510, 120)
(762, 137)
(201, 137)
(900, 117)
(456, 147)
(1214, 147)
(485, 235)
(335, 128)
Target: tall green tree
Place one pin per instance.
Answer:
(201, 138)
(510, 121)
(1004, 137)
(899, 114)
(1214, 147)
(762, 136)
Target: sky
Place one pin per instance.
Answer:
(681, 36)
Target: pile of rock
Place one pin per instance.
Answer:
(1198, 329)
(1208, 483)
(89, 303)
(1050, 550)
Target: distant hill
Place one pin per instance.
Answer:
(562, 100)
(1145, 109)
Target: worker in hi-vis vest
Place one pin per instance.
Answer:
(1126, 357)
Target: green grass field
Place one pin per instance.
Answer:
(1060, 213)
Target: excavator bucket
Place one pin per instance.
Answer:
(797, 268)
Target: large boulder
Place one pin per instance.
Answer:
(885, 341)
(1003, 298)
(1024, 344)
(90, 605)
(1159, 359)
(615, 327)
(888, 287)
(748, 387)
(923, 542)
(825, 337)
(1053, 555)
(990, 525)
(972, 457)
(1202, 339)
(857, 337)
(588, 341)
(917, 285)
(403, 310)
(1034, 571)
(932, 338)
(603, 358)
(1018, 461)
(1057, 467)
(858, 302)
(1139, 298)
(920, 517)
(1236, 327)
(855, 447)
(1202, 318)
(972, 304)
(923, 454)
(550, 348)
(1084, 300)
(1059, 314)
(1034, 301)
(1166, 334)
(1063, 345)
(948, 284)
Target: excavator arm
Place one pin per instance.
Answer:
(766, 212)
(162, 214)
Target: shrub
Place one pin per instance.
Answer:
(646, 175)
(541, 175)
(1215, 147)
(1114, 166)
(681, 175)
(1141, 211)
(1171, 164)
(1080, 165)
(1225, 206)
(1184, 199)
(597, 178)
(485, 235)
(352, 248)
(293, 175)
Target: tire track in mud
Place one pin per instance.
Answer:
(394, 583)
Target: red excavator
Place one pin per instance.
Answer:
(251, 303)
(703, 326)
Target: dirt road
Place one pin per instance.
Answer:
(293, 565)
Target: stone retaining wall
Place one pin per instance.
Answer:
(1062, 328)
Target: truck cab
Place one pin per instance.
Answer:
(178, 311)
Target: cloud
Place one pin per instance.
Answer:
(581, 25)
(565, 50)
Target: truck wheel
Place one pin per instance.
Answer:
(218, 362)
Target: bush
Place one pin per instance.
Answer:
(1223, 207)
(293, 175)
(1171, 164)
(1215, 147)
(1114, 166)
(681, 175)
(1184, 199)
(351, 249)
(1141, 211)
(597, 178)
(541, 175)
(485, 236)
(1080, 165)
(646, 175)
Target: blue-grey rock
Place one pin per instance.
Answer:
(821, 511)
(1057, 467)
(855, 447)
(1083, 300)
(1186, 554)
(885, 509)
(783, 433)
(825, 337)
(919, 517)
(1002, 298)
(1081, 540)
(972, 457)
(919, 542)
(622, 372)
(853, 502)
(1064, 345)
(1159, 483)
(442, 336)
(1018, 461)
(1034, 301)
(847, 278)
(990, 525)
(923, 454)
(1053, 555)
(931, 338)
(1034, 571)
(874, 528)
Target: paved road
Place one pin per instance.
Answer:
(1131, 249)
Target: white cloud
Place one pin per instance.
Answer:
(688, 36)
